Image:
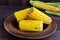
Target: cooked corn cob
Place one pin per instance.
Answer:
(21, 14)
(38, 15)
(45, 6)
(31, 25)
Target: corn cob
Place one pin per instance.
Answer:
(45, 6)
(21, 14)
(38, 15)
(31, 25)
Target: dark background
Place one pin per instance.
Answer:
(19, 2)
(7, 7)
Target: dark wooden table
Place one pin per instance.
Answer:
(7, 10)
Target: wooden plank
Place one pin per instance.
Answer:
(14, 2)
(50, 0)
(3, 2)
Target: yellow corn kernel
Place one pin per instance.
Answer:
(31, 25)
(22, 14)
(38, 15)
(45, 6)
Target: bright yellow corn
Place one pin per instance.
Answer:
(38, 15)
(22, 14)
(45, 6)
(31, 25)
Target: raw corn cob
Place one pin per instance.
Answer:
(38, 15)
(57, 4)
(31, 25)
(42, 5)
(21, 14)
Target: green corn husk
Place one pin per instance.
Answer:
(57, 4)
(53, 13)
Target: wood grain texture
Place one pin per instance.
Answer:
(3, 2)
(14, 2)
(51, 0)
(26, 2)
(21, 2)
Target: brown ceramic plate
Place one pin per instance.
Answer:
(11, 26)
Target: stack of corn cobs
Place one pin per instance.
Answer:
(32, 19)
